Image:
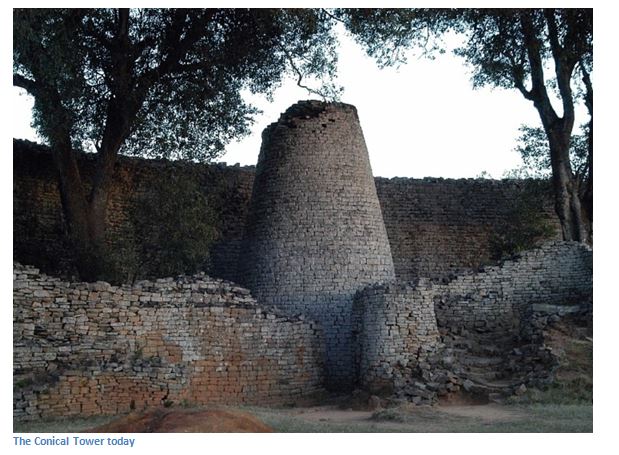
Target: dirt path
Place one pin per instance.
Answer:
(487, 413)
(457, 418)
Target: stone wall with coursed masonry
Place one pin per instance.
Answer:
(437, 228)
(395, 328)
(499, 296)
(315, 234)
(94, 349)
(396, 325)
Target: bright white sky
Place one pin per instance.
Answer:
(421, 120)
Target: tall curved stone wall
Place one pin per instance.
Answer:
(315, 232)
(437, 228)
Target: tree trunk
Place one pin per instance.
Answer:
(574, 223)
(87, 249)
(587, 197)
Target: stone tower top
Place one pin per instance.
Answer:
(307, 109)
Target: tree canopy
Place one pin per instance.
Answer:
(173, 77)
(543, 53)
(155, 83)
(533, 149)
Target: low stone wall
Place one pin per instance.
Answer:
(91, 348)
(396, 330)
(399, 349)
(499, 297)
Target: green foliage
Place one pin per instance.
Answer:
(155, 83)
(525, 226)
(175, 226)
(388, 34)
(535, 152)
(174, 75)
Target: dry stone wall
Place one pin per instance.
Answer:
(91, 348)
(437, 228)
(38, 222)
(315, 233)
(398, 347)
(501, 296)
(395, 332)
(440, 228)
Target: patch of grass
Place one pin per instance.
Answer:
(535, 418)
(70, 425)
(389, 415)
(549, 418)
(538, 418)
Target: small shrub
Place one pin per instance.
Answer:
(175, 226)
(526, 225)
(388, 415)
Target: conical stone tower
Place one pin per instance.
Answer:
(315, 232)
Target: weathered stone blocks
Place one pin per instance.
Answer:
(500, 297)
(395, 328)
(315, 232)
(91, 348)
(426, 219)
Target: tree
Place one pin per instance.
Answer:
(509, 49)
(152, 82)
(533, 149)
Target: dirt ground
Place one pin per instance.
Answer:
(406, 418)
(459, 418)
(435, 419)
(185, 421)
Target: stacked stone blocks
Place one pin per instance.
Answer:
(397, 324)
(91, 348)
(500, 297)
(396, 329)
(426, 219)
(313, 246)
(315, 232)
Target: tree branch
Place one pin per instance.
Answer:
(332, 16)
(588, 87)
(300, 74)
(563, 69)
(30, 85)
(539, 94)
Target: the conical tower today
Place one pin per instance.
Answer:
(315, 233)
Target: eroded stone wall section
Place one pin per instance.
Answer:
(500, 297)
(395, 331)
(397, 326)
(315, 232)
(91, 348)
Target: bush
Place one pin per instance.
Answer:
(526, 224)
(175, 226)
